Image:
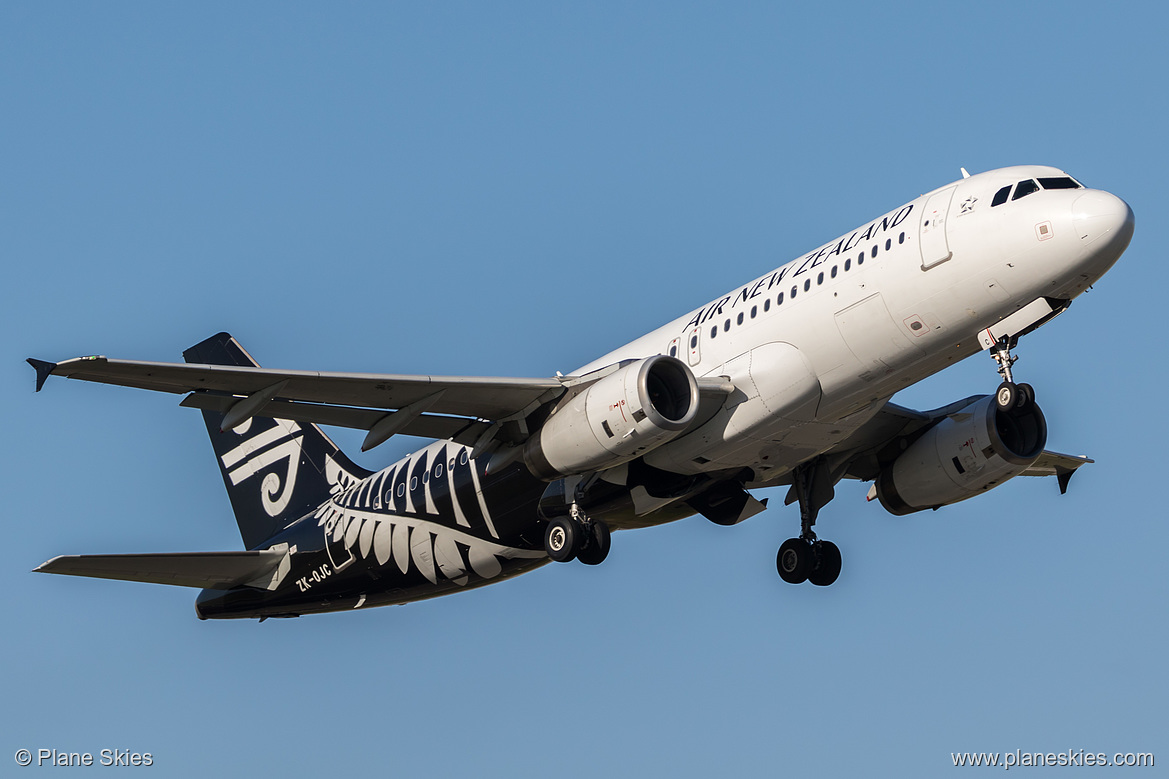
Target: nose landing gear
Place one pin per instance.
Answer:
(1009, 396)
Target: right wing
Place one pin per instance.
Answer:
(1061, 466)
(878, 442)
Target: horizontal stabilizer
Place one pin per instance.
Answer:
(214, 570)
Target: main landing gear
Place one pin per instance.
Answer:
(577, 536)
(807, 558)
(1009, 395)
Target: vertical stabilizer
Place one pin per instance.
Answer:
(275, 470)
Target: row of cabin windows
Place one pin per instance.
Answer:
(437, 470)
(860, 260)
(1028, 187)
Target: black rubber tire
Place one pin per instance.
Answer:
(1026, 397)
(827, 567)
(1006, 397)
(596, 549)
(794, 560)
(561, 539)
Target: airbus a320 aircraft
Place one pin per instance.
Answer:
(786, 380)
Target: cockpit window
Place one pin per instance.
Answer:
(1062, 182)
(1025, 188)
(1000, 197)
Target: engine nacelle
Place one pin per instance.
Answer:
(965, 454)
(616, 419)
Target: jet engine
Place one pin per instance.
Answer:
(963, 455)
(622, 416)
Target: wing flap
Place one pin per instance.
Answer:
(458, 429)
(214, 570)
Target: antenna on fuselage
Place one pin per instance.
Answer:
(965, 175)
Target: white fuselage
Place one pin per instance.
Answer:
(818, 345)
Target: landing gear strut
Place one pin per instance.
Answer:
(807, 558)
(1009, 396)
(577, 536)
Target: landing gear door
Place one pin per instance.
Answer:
(935, 249)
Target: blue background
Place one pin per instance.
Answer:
(514, 189)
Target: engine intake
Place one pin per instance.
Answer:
(616, 419)
(963, 455)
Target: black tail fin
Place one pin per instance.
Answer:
(275, 470)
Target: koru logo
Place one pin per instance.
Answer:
(270, 447)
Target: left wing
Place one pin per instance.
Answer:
(461, 408)
(473, 396)
(471, 410)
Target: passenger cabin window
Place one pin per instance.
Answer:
(1061, 182)
(1025, 188)
(1001, 196)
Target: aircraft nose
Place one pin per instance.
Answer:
(1103, 217)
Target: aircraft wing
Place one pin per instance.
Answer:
(472, 396)
(466, 409)
(884, 436)
(1061, 466)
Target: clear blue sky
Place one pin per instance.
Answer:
(514, 189)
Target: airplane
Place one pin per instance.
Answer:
(784, 381)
